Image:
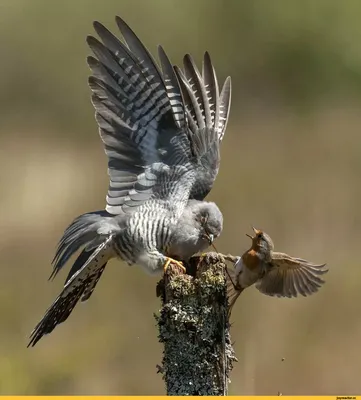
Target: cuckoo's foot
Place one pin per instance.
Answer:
(178, 263)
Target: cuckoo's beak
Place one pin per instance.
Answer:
(210, 238)
(251, 237)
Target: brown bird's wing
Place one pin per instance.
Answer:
(288, 277)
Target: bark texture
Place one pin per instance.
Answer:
(194, 328)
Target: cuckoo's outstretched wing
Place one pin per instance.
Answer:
(151, 118)
(207, 114)
(142, 122)
(288, 277)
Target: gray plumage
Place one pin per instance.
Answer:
(207, 116)
(162, 151)
(200, 224)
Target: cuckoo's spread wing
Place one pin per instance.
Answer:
(142, 122)
(207, 114)
(288, 277)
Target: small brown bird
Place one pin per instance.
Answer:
(275, 274)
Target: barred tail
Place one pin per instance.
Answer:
(90, 266)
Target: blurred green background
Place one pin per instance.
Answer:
(291, 165)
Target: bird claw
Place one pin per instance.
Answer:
(178, 263)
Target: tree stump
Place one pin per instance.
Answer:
(193, 326)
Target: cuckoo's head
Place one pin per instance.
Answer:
(210, 220)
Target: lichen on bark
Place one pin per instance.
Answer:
(193, 326)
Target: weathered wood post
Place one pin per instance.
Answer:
(194, 328)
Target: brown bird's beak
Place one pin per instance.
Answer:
(256, 231)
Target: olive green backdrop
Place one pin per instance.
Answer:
(291, 165)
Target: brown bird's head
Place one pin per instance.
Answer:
(261, 242)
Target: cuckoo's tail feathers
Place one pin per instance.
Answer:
(80, 286)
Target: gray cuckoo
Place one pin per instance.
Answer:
(161, 129)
